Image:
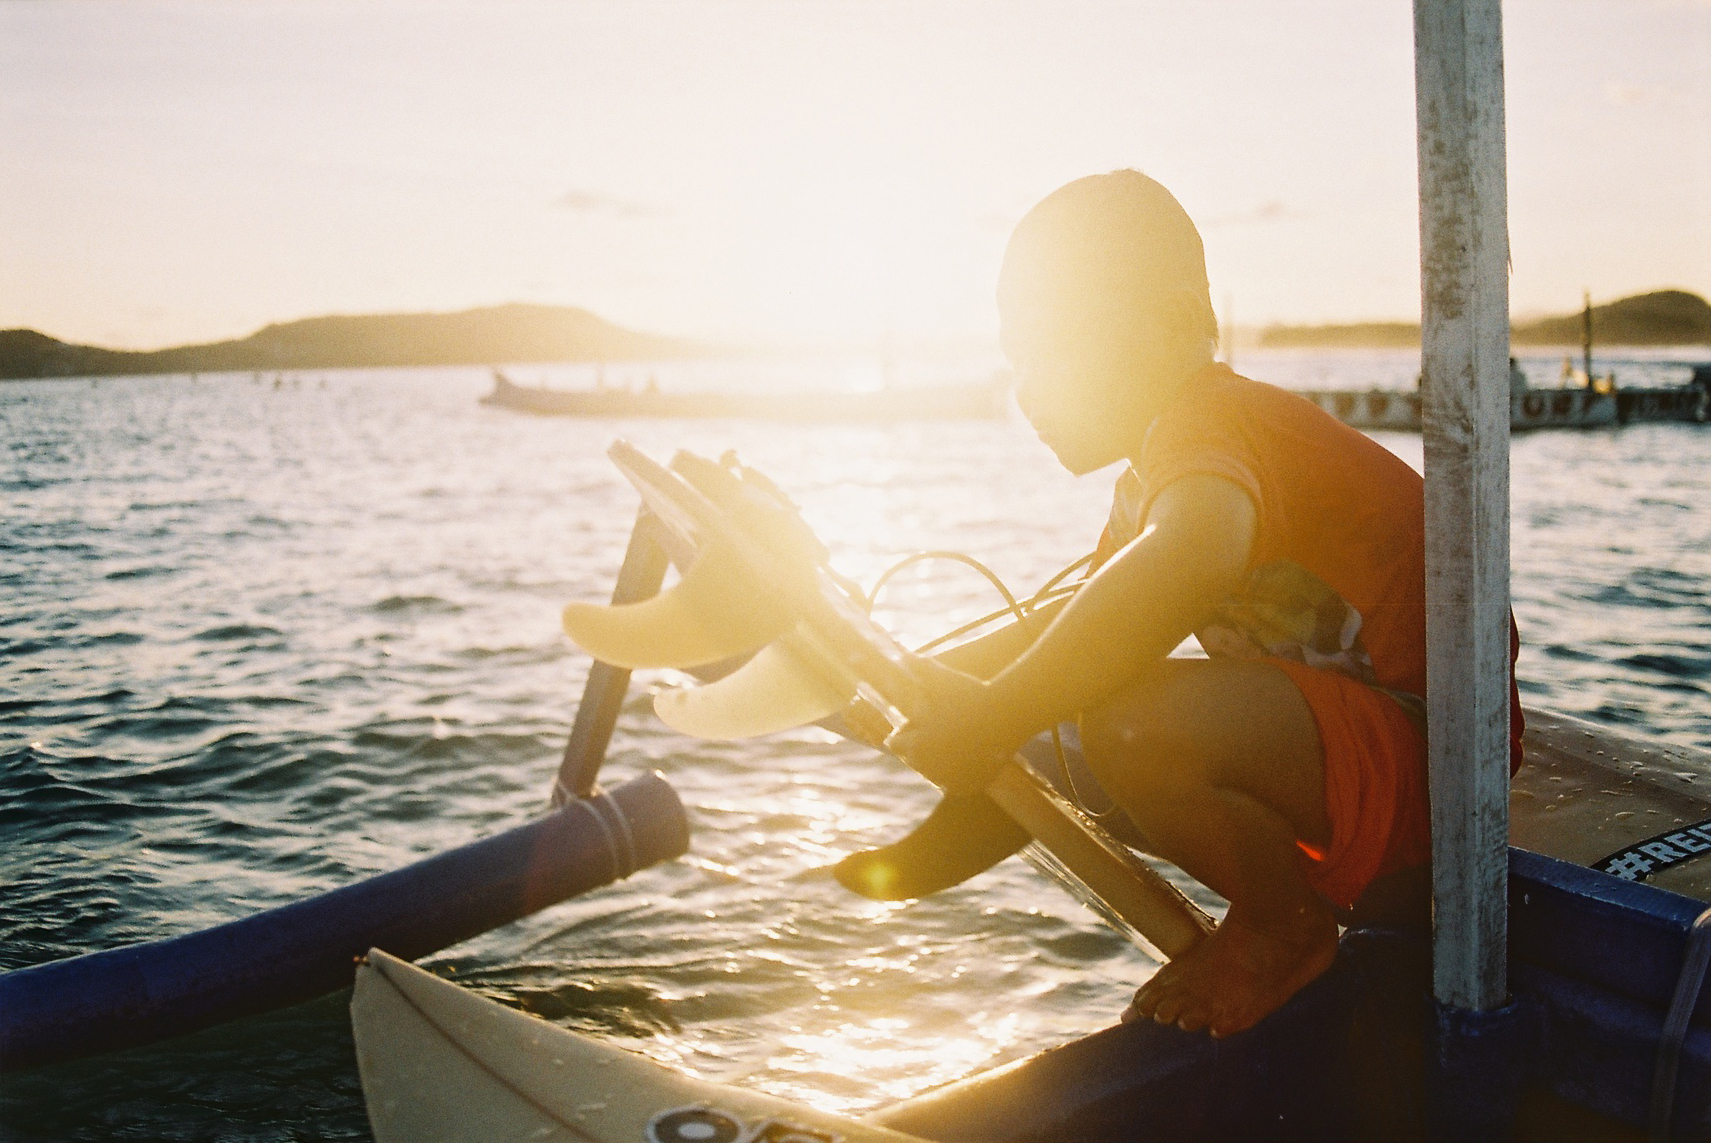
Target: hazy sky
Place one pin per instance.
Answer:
(798, 169)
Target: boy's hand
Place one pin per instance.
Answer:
(958, 742)
(866, 724)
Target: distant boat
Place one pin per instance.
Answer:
(1586, 401)
(1596, 405)
(985, 400)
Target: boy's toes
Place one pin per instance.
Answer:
(1194, 1017)
(1141, 1007)
(1171, 1007)
(1229, 1024)
(1145, 1004)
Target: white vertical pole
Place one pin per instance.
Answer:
(1464, 254)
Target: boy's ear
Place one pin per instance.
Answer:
(1183, 319)
(1179, 311)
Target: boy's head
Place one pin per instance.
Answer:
(1105, 309)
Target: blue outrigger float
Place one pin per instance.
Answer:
(1549, 1000)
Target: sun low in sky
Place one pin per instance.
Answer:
(796, 171)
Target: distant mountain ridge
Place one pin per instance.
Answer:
(1662, 317)
(504, 334)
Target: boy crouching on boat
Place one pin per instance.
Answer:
(1287, 772)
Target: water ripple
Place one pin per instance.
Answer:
(317, 639)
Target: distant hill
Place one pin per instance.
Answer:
(496, 335)
(1663, 317)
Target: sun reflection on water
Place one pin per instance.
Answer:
(877, 1047)
(318, 640)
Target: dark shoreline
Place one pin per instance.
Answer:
(515, 333)
(1658, 319)
(520, 334)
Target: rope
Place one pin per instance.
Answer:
(1050, 591)
(1675, 1024)
(1035, 601)
(958, 557)
(618, 869)
(606, 802)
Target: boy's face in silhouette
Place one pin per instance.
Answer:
(1082, 369)
(1103, 310)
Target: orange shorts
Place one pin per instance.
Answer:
(1375, 784)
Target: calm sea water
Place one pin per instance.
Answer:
(259, 642)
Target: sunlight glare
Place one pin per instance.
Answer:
(886, 1058)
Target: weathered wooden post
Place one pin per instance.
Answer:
(1464, 254)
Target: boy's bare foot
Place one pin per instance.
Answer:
(1237, 976)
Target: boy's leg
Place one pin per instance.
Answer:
(1219, 763)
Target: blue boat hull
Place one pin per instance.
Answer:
(1356, 1055)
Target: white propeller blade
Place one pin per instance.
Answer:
(773, 691)
(712, 613)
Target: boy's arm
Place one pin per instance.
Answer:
(1191, 554)
(983, 658)
(986, 656)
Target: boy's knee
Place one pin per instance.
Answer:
(1133, 749)
(1108, 737)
